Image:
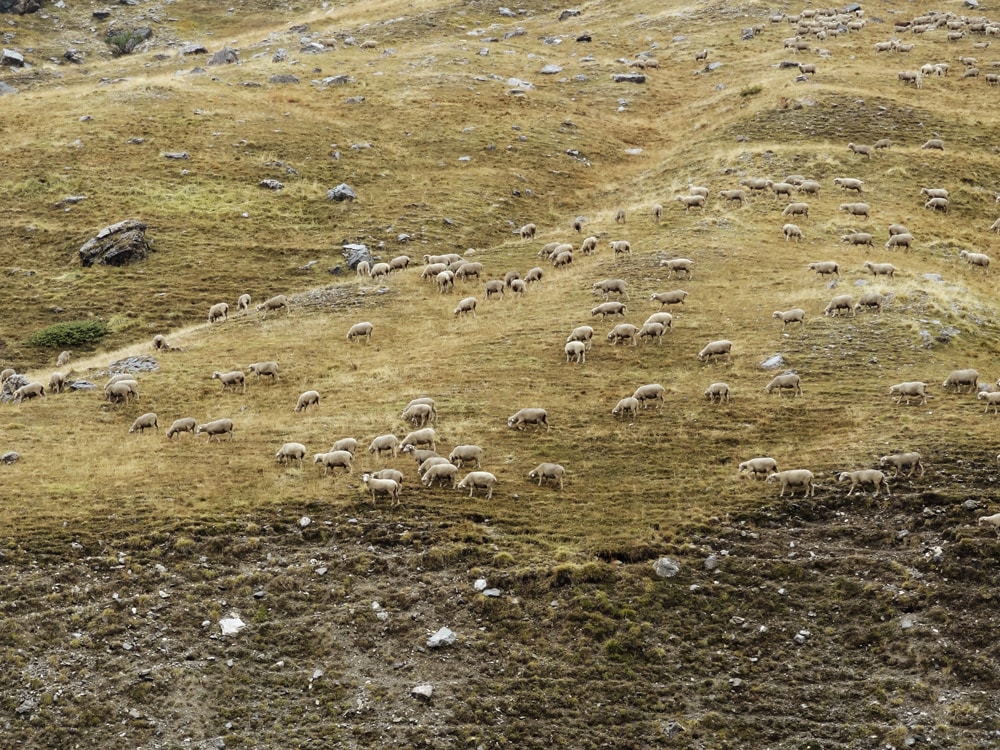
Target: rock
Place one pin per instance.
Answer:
(10, 457)
(231, 625)
(713, 66)
(82, 385)
(10, 385)
(355, 253)
(666, 568)
(711, 562)
(492, 593)
(271, 184)
(932, 277)
(138, 363)
(225, 56)
(424, 692)
(304, 522)
(773, 362)
(343, 192)
(628, 78)
(550, 70)
(11, 58)
(283, 78)
(6, 89)
(194, 49)
(28, 705)
(517, 83)
(801, 637)
(906, 623)
(280, 55)
(584, 38)
(851, 8)
(972, 4)
(177, 155)
(337, 80)
(116, 245)
(444, 637)
(20, 7)
(568, 13)
(480, 584)
(506, 13)
(968, 504)
(354, 100)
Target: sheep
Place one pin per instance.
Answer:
(895, 229)
(849, 183)
(234, 378)
(467, 270)
(578, 223)
(123, 390)
(144, 422)
(576, 351)
(582, 333)
(873, 477)
(700, 56)
(557, 249)
(626, 407)
(63, 359)
(494, 287)
(807, 68)
(620, 216)
(970, 73)
(762, 465)
(858, 238)
(621, 247)
(786, 381)
(914, 77)
(57, 381)
(432, 270)
(399, 263)
(527, 232)
(462, 454)
(884, 46)
(882, 143)
(937, 204)
(379, 270)
(216, 429)
(904, 240)
(388, 487)
(796, 209)
(934, 144)
(185, 424)
(992, 398)
(910, 388)
(992, 79)
(678, 265)
(781, 188)
(839, 303)
(664, 318)
(995, 226)
(465, 306)
(218, 311)
(755, 184)
(533, 275)
(653, 330)
(531, 415)
(307, 399)
(554, 472)
(975, 259)
(563, 259)
(445, 281)
(691, 201)
(363, 270)
(993, 521)
(718, 391)
(795, 315)
(518, 287)
(278, 302)
(740, 196)
(259, 369)
(606, 286)
(476, 480)
(790, 479)
(361, 330)
(335, 459)
(608, 308)
(384, 443)
(28, 391)
(348, 444)
(432, 460)
(443, 473)
(657, 212)
(650, 392)
(961, 378)
(881, 269)
(792, 230)
(860, 149)
(9, 372)
(715, 349)
(698, 190)
(417, 438)
(911, 461)
(809, 187)
(243, 303)
(934, 192)
(623, 332)
(419, 415)
(675, 297)
(856, 209)
(825, 268)
(290, 452)
(871, 300)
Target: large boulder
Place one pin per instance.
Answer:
(117, 245)
(20, 6)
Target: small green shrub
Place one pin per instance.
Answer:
(77, 333)
(124, 41)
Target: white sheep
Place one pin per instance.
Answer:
(858, 238)
(432, 460)
(144, 422)
(995, 226)
(553, 472)
(216, 429)
(494, 287)
(678, 265)
(259, 369)
(122, 390)
(57, 381)
(582, 333)
(185, 424)
(860, 149)
(962, 378)
(443, 473)
(856, 209)
(477, 480)
(665, 318)
(445, 281)
(653, 330)
(363, 270)
(394, 474)
(911, 461)
(384, 443)
(874, 477)
(622, 333)
(871, 300)
(934, 192)
(809, 187)
(793, 478)
(718, 391)
(898, 229)
(992, 398)
(937, 204)
(588, 245)
(740, 196)
(903, 239)
(530, 415)
(789, 381)
(388, 487)
(796, 209)
(564, 258)
(519, 287)
(606, 286)
(849, 183)
(762, 465)
(792, 230)
(620, 213)
(781, 188)
(934, 144)
(307, 399)
(650, 392)
(63, 359)
(418, 438)
(755, 184)
(719, 348)
(348, 444)
(432, 270)
(825, 268)
(334, 460)
(657, 212)
(691, 201)
(379, 270)
(399, 263)
(28, 391)
(419, 415)
(908, 389)
(362, 330)
(795, 315)
(839, 303)
(233, 379)
(465, 306)
(576, 351)
(290, 452)
(8, 372)
(882, 143)
(675, 297)
(243, 303)
(219, 311)
(609, 308)
(533, 275)
(467, 270)
(975, 259)
(462, 454)
(527, 232)
(626, 407)
(881, 269)
(621, 247)
(275, 303)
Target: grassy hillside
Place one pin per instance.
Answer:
(826, 621)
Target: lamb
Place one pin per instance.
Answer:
(383, 443)
(650, 392)
(675, 297)
(839, 303)
(691, 201)
(664, 318)
(718, 391)
(234, 378)
(825, 268)
(740, 196)
(606, 286)
(494, 287)
(795, 315)
(763, 465)
(564, 258)
(417, 438)
(849, 183)
(678, 265)
(278, 302)
(992, 398)
(531, 415)
(871, 300)
(975, 259)
(259, 369)
(576, 351)
(462, 454)
(873, 477)
(937, 204)
(335, 459)
(465, 306)
(961, 378)
(361, 330)
(796, 209)
(379, 270)
(28, 391)
(935, 144)
(608, 308)
(626, 407)
(856, 209)
(857, 238)
(307, 399)
(443, 473)
(623, 332)
(793, 478)
(900, 240)
(216, 429)
(911, 461)
(419, 414)
(185, 424)
(881, 269)
(860, 149)
(146, 421)
(582, 333)
(715, 349)
(348, 444)
(934, 192)
(476, 480)
(533, 275)
(243, 303)
(290, 452)
(621, 247)
(218, 311)
(787, 381)
(792, 230)
(388, 487)
(399, 263)
(527, 232)
(57, 381)
(553, 472)
(908, 389)
(653, 330)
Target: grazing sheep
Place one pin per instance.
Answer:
(787, 381)
(531, 415)
(563, 259)
(881, 269)
(218, 311)
(937, 204)
(432, 271)
(934, 144)
(276, 303)
(627, 407)
(578, 223)
(657, 212)
(57, 381)
(911, 461)
(185, 424)
(553, 472)
(576, 351)
(908, 389)
(518, 287)
(388, 487)
(653, 330)
(588, 246)
(992, 398)
(975, 259)
(379, 270)
(307, 399)
(678, 265)
(146, 421)
(904, 240)
(63, 359)
(445, 281)
(9, 372)
(417, 438)
(216, 429)
(698, 190)
(243, 303)
(961, 378)
(399, 263)
(467, 270)
(970, 73)
(423, 456)
(795, 315)
(763, 465)
(443, 473)
(122, 390)
(234, 378)
(825, 268)
(623, 332)
(755, 184)
(934, 192)
(675, 297)
(348, 444)
(857, 238)
(796, 209)
(608, 308)
(533, 275)
(419, 415)
(494, 287)
(620, 216)
(718, 391)
(463, 454)
(477, 480)
(849, 183)
(781, 188)
(860, 149)
(361, 330)
(363, 270)
(856, 209)
(914, 77)
(691, 201)
(606, 286)
(582, 333)
(290, 452)
(527, 232)
(259, 369)
(895, 229)
(839, 303)
(621, 247)
(740, 196)
(334, 460)
(650, 392)
(809, 187)
(794, 478)
(882, 143)
(384, 443)
(790, 231)
(715, 349)
(873, 477)
(465, 306)
(871, 300)
(29, 391)
(432, 460)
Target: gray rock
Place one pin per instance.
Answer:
(519, 31)
(355, 253)
(271, 184)
(628, 78)
(194, 49)
(74, 56)
(283, 78)
(506, 12)
(343, 192)
(11, 58)
(492, 593)
(480, 584)
(679, 38)
(424, 692)
(568, 13)
(851, 8)
(550, 70)
(444, 637)
(82, 385)
(116, 245)
(225, 56)
(774, 362)
(968, 504)
(313, 48)
(711, 562)
(801, 637)
(28, 705)
(354, 100)
(10, 457)
(666, 568)
(338, 80)
(6, 88)
(280, 55)
(861, 282)
(10, 385)
(713, 66)
(973, 4)
(305, 521)
(746, 34)
(177, 155)
(517, 83)
(932, 277)
(20, 7)
(906, 623)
